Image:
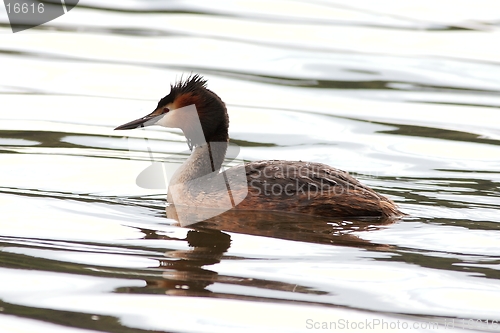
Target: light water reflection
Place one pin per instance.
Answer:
(404, 97)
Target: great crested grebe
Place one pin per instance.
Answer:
(274, 185)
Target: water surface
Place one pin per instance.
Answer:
(405, 97)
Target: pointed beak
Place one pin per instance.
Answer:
(148, 120)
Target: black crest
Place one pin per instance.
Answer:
(190, 84)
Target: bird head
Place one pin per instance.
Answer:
(190, 106)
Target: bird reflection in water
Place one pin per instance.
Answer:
(187, 272)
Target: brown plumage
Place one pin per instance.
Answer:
(313, 189)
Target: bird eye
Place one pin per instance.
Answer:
(165, 110)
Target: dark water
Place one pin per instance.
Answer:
(405, 97)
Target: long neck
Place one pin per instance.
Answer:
(204, 159)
